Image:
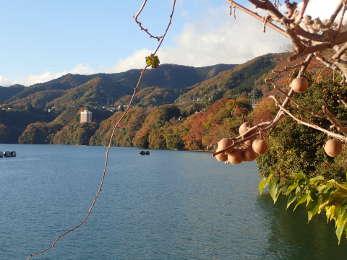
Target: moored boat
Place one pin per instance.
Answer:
(8, 154)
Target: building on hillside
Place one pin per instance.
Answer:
(86, 116)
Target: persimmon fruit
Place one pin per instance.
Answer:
(333, 147)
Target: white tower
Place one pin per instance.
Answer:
(86, 116)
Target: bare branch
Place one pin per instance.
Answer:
(311, 125)
(296, 104)
(268, 6)
(167, 27)
(303, 8)
(308, 36)
(291, 8)
(312, 49)
(336, 123)
(340, 51)
(324, 37)
(288, 68)
(325, 62)
(136, 16)
(342, 17)
(336, 12)
(258, 17)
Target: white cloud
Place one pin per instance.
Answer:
(217, 38)
(39, 78)
(4, 82)
(321, 8)
(136, 60)
(46, 76)
(82, 69)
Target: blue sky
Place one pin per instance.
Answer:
(43, 39)
(43, 36)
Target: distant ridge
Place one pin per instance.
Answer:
(74, 90)
(169, 96)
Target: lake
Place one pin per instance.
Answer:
(167, 206)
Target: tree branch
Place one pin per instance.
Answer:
(303, 8)
(336, 123)
(136, 16)
(258, 17)
(296, 104)
(264, 126)
(336, 12)
(311, 125)
(268, 6)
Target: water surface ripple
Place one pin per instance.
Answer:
(166, 206)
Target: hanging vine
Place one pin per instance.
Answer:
(152, 61)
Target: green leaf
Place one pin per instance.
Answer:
(291, 188)
(152, 61)
(321, 188)
(312, 210)
(301, 201)
(342, 187)
(329, 212)
(339, 232)
(316, 180)
(309, 198)
(300, 178)
(322, 206)
(340, 225)
(274, 191)
(269, 178)
(291, 200)
(262, 185)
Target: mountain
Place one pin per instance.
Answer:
(101, 89)
(7, 92)
(231, 83)
(172, 98)
(13, 123)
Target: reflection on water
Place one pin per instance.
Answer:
(166, 206)
(292, 238)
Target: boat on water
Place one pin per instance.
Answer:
(8, 154)
(144, 153)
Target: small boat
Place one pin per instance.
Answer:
(8, 154)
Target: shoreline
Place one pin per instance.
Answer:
(134, 147)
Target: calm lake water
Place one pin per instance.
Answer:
(166, 206)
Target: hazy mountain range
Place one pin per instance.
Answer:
(25, 109)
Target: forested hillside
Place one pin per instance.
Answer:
(101, 89)
(173, 99)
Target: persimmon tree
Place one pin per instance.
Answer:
(310, 38)
(313, 40)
